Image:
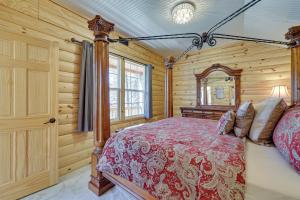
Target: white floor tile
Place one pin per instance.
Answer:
(74, 186)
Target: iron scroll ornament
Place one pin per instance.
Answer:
(208, 37)
(204, 38)
(199, 40)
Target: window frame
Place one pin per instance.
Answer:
(122, 90)
(134, 90)
(117, 89)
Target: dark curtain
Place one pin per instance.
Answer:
(87, 89)
(148, 92)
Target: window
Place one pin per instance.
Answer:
(127, 88)
(114, 87)
(208, 95)
(134, 88)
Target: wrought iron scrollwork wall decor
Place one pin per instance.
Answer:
(209, 37)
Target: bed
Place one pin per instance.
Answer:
(229, 167)
(101, 179)
(168, 157)
(268, 175)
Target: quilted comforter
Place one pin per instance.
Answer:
(178, 158)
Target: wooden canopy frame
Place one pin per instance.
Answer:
(169, 64)
(294, 35)
(101, 182)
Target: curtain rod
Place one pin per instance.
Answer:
(132, 60)
(73, 40)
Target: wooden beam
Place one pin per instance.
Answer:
(101, 28)
(169, 63)
(130, 187)
(294, 35)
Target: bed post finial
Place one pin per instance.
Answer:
(293, 35)
(101, 29)
(169, 63)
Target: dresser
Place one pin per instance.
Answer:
(205, 112)
(218, 90)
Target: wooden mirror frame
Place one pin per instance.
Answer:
(236, 73)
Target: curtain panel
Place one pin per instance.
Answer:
(148, 92)
(87, 88)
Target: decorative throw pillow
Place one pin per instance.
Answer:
(287, 137)
(243, 120)
(267, 115)
(226, 123)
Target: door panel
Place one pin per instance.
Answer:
(38, 93)
(6, 90)
(20, 157)
(5, 157)
(37, 154)
(38, 54)
(20, 88)
(28, 99)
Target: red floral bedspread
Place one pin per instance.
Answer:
(178, 158)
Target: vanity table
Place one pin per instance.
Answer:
(218, 90)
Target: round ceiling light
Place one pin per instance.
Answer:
(183, 13)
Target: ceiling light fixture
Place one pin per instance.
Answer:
(183, 13)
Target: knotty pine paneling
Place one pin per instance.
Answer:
(47, 20)
(263, 67)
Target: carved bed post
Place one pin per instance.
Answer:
(101, 28)
(169, 86)
(294, 35)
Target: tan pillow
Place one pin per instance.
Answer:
(226, 123)
(243, 120)
(267, 115)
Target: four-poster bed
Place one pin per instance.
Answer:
(103, 181)
(294, 35)
(169, 63)
(101, 28)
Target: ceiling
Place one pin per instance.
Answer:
(268, 19)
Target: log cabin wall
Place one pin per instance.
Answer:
(47, 20)
(263, 67)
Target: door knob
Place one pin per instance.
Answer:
(51, 121)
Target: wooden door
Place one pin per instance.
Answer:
(28, 146)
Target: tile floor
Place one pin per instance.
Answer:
(74, 186)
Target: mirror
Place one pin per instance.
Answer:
(220, 89)
(218, 85)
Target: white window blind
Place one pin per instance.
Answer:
(134, 88)
(115, 86)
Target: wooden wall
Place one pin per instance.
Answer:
(263, 67)
(47, 20)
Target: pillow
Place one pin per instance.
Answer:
(226, 123)
(244, 117)
(267, 115)
(287, 137)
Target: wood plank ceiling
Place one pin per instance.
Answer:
(268, 19)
